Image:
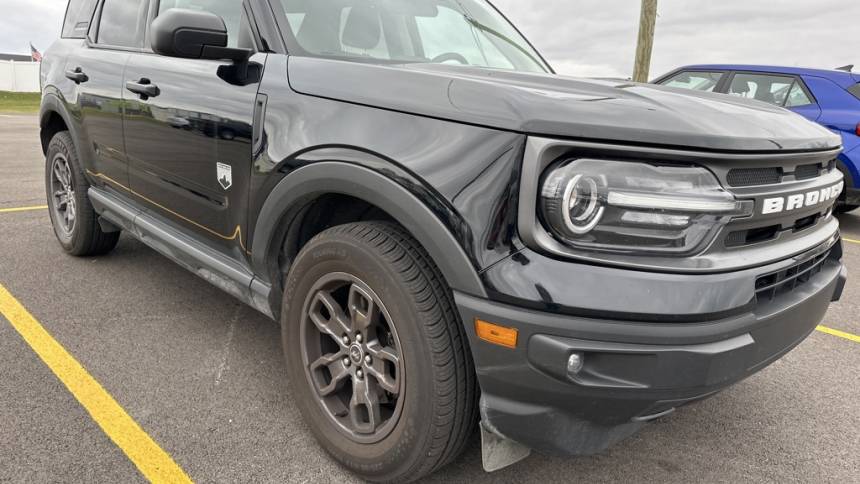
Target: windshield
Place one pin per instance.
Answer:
(465, 32)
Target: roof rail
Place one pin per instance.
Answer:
(847, 68)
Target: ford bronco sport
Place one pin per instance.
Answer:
(448, 232)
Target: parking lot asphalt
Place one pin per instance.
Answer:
(204, 376)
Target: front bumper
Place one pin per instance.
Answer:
(634, 371)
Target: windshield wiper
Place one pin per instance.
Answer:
(478, 25)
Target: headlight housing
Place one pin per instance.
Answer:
(620, 206)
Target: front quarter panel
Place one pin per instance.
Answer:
(463, 174)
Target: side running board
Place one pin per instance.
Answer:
(213, 266)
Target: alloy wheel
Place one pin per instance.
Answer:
(63, 194)
(352, 357)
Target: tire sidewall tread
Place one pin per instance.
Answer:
(437, 418)
(87, 237)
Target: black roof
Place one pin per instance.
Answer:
(16, 57)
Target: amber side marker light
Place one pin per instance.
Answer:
(493, 333)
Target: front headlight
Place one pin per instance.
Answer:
(634, 207)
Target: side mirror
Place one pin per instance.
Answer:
(193, 34)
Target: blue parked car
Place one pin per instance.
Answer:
(828, 97)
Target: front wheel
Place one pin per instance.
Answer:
(845, 208)
(377, 356)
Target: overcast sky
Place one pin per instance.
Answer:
(598, 37)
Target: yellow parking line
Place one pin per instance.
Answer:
(841, 334)
(851, 240)
(23, 209)
(153, 462)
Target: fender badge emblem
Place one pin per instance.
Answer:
(225, 175)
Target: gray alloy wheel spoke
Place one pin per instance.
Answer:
(66, 180)
(58, 172)
(70, 211)
(335, 324)
(63, 201)
(378, 369)
(363, 311)
(338, 371)
(364, 408)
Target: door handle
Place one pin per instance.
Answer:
(144, 88)
(77, 75)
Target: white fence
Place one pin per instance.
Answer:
(19, 76)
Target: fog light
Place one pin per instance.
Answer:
(574, 363)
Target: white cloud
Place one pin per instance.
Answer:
(25, 21)
(598, 37)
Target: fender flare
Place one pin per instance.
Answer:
(326, 177)
(846, 170)
(51, 103)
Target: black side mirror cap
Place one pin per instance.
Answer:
(193, 34)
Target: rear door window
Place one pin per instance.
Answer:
(695, 80)
(121, 23)
(769, 88)
(78, 16)
(797, 96)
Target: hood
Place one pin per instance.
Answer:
(565, 107)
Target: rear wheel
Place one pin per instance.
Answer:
(377, 356)
(75, 222)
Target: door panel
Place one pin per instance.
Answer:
(189, 146)
(96, 99)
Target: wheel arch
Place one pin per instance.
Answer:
(288, 202)
(849, 168)
(53, 118)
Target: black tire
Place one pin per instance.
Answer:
(844, 208)
(439, 407)
(83, 236)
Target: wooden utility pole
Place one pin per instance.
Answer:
(647, 20)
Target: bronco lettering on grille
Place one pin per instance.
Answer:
(800, 200)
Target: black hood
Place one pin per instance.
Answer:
(558, 106)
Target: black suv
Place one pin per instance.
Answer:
(447, 231)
